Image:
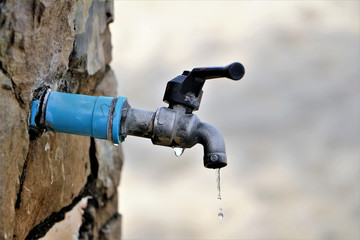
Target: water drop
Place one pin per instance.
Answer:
(47, 147)
(178, 151)
(220, 214)
(116, 145)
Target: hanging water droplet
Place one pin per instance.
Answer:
(116, 145)
(220, 214)
(47, 147)
(178, 151)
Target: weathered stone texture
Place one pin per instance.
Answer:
(14, 145)
(56, 171)
(36, 42)
(64, 45)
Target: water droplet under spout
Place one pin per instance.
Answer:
(178, 151)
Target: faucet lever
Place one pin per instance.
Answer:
(186, 89)
(234, 71)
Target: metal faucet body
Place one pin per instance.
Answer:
(113, 118)
(173, 127)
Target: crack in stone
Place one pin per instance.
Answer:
(88, 190)
(42, 228)
(22, 180)
(90, 211)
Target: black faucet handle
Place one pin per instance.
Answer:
(186, 89)
(234, 71)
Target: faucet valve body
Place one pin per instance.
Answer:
(176, 128)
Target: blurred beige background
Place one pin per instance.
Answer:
(291, 125)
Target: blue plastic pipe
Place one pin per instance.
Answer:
(98, 117)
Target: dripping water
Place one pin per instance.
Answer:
(178, 151)
(217, 171)
(220, 213)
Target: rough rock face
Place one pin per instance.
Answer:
(63, 45)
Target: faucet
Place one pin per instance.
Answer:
(114, 118)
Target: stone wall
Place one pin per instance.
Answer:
(63, 45)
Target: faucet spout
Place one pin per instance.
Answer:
(214, 146)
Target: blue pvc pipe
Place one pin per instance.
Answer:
(82, 115)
